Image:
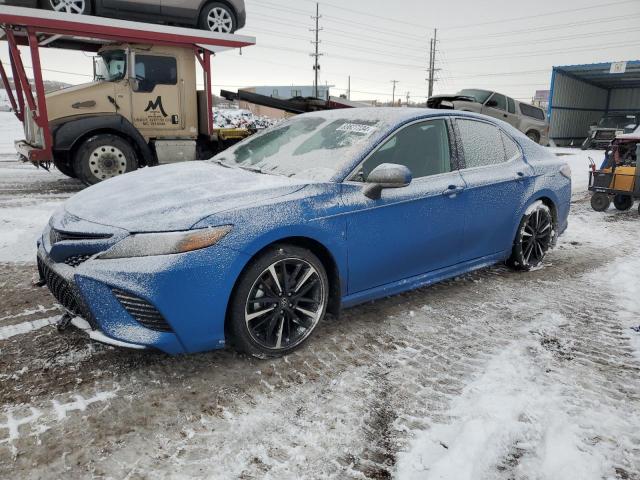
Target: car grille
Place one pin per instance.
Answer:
(605, 135)
(64, 292)
(145, 313)
(77, 260)
(56, 236)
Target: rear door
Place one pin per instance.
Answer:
(498, 183)
(413, 230)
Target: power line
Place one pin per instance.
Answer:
(539, 15)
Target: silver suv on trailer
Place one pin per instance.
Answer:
(528, 119)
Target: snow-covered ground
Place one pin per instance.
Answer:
(495, 375)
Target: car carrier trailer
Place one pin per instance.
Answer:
(143, 107)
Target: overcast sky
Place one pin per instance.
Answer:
(506, 45)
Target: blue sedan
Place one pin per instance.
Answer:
(324, 211)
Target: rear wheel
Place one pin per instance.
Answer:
(219, 18)
(600, 202)
(623, 202)
(102, 157)
(535, 237)
(278, 302)
(78, 7)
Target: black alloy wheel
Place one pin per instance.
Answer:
(278, 302)
(623, 202)
(600, 202)
(535, 237)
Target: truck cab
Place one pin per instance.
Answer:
(141, 109)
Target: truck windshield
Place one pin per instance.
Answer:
(311, 147)
(110, 66)
(481, 96)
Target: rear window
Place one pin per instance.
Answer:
(531, 111)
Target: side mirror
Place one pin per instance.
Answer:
(387, 175)
(491, 103)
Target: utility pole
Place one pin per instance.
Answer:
(393, 101)
(408, 98)
(349, 89)
(316, 54)
(432, 61)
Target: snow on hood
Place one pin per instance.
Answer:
(175, 197)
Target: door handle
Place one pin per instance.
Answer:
(453, 190)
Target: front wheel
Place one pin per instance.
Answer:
(77, 7)
(219, 18)
(102, 157)
(278, 302)
(535, 237)
(623, 202)
(600, 202)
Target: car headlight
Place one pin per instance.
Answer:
(166, 243)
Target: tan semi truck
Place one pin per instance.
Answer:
(141, 109)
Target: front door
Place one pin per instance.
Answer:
(157, 95)
(497, 107)
(411, 230)
(498, 181)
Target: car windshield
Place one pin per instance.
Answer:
(110, 66)
(481, 96)
(311, 147)
(618, 121)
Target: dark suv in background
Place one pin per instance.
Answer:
(610, 126)
(225, 16)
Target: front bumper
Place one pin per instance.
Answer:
(190, 291)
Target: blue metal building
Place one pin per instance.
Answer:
(582, 94)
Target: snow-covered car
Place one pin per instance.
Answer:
(325, 210)
(529, 119)
(225, 16)
(609, 127)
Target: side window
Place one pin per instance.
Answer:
(152, 70)
(482, 143)
(510, 147)
(423, 148)
(498, 101)
(531, 111)
(512, 105)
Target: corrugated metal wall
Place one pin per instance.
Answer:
(625, 98)
(589, 102)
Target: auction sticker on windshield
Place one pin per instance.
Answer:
(357, 128)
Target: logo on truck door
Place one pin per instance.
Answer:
(157, 105)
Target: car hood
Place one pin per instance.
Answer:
(175, 197)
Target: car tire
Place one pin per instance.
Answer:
(77, 7)
(102, 157)
(533, 136)
(278, 302)
(623, 202)
(65, 168)
(600, 202)
(218, 18)
(535, 237)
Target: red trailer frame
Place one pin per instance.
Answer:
(43, 29)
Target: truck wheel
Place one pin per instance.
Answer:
(78, 7)
(533, 136)
(600, 202)
(623, 202)
(104, 156)
(219, 18)
(65, 168)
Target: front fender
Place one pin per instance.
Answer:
(70, 132)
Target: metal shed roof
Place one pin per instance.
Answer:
(599, 74)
